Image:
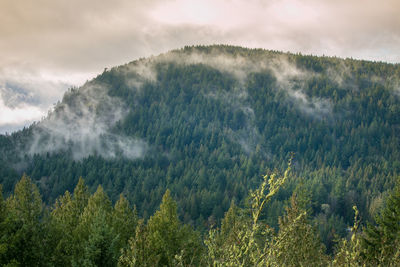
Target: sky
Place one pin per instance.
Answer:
(48, 46)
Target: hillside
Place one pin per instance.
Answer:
(207, 122)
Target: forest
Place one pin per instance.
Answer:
(202, 126)
(83, 229)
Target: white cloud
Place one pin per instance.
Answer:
(85, 130)
(26, 95)
(20, 114)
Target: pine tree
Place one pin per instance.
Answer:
(3, 230)
(101, 246)
(94, 233)
(163, 231)
(63, 224)
(163, 241)
(124, 221)
(382, 241)
(24, 227)
(297, 243)
(65, 218)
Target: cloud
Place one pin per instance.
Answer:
(341, 28)
(292, 80)
(26, 97)
(315, 107)
(73, 40)
(88, 36)
(289, 77)
(19, 114)
(83, 124)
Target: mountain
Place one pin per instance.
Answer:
(207, 122)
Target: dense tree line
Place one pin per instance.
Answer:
(211, 135)
(83, 229)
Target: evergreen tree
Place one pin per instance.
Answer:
(124, 221)
(382, 241)
(163, 241)
(101, 246)
(297, 243)
(3, 229)
(23, 238)
(65, 218)
(97, 241)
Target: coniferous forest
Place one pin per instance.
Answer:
(210, 156)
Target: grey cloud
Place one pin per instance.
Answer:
(138, 72)
(84, 126)
(315, 107)
(394, 82)
(66, 38)
(26, 93)
(32, 89)
(8, 128)
(90, 35)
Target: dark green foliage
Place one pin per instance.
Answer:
(124, 221)
(212, 131)
(101, 247)
(382, 241)
(65, 218)
(163, 241)
(23, 239)
(85, 230)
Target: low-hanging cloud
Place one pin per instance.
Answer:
(139, 72)
(292, 80)
(26, 97)
(248, 135)
(289, 77)
(83, 124)
(14, 117)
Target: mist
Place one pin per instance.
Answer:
(289, 77)
(83, 125)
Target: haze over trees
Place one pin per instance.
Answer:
(201, 126)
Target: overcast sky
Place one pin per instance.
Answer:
(48, 45)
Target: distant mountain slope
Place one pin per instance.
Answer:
(208, 121)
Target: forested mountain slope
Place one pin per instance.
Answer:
(207, 122)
